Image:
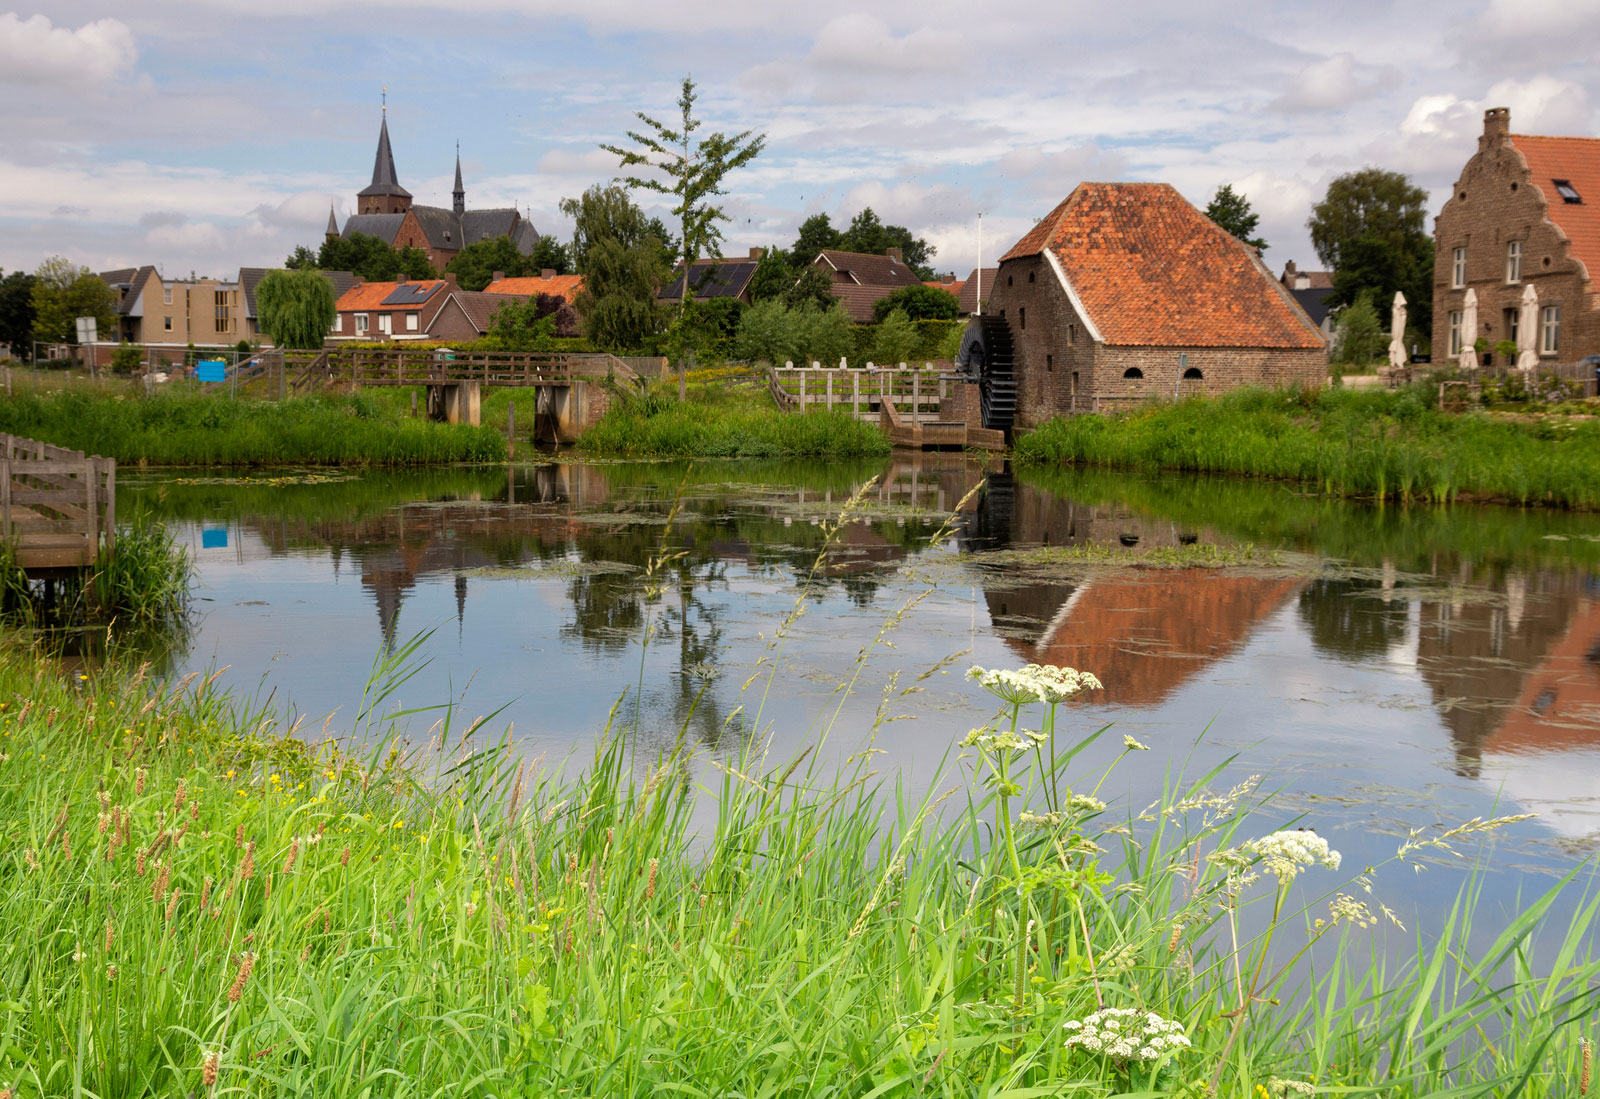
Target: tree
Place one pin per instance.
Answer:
(301, 259)
(918, 303)
(474, 266)
(774, 332)
(816, 234)
(896, 339)
(696, 172)
(607, 213)
(1231, 211)
(1370, 229)
(870, 236)
(296, 308)
(526, 326)
(16, 312)
(1358, 337)
(618, 299)
(63, 292)
(374, 259)
(772, 277)
(549, 254)
(813, 287)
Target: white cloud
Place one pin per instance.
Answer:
(858, 43)
(33, 51)
(1331, 84)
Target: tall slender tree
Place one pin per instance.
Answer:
(691, 173)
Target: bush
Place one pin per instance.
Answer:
(126, 359)
(896, 340)
(918, 303)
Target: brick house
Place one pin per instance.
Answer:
(1125, 292)
(1524, 213)
(465, 315)
(861, 280)
(385, 210)
(400, 310)
(714, 277)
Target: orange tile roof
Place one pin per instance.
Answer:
(565, 286)
(954, 286)
(1576, 160)
(1151, 270)
(368, 296)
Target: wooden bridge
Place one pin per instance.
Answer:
(919, 409)
(57, 507)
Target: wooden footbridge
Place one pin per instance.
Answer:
(58, 508)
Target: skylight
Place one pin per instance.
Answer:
(1567, 191)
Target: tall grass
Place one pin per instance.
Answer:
(197, 905)
(143, 583)
(723, 425)
(1340, 442)
(178, 429)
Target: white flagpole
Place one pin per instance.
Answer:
(978, 297)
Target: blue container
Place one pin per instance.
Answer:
(211, 370)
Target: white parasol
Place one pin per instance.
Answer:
(1468, 359)
(1528, 330)
(1397, 331)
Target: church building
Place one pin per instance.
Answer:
(384, 210)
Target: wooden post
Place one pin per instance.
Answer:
(5, 494)
(511, 428)
(111, 504)
(855, 392)
(91, 506)
(413, 404)
(802, 391)
(828, 390)
(916, 404)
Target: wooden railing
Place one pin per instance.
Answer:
(357, 367)
(58, 508)
(915, 393)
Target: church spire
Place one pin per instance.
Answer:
(460, 191)
(333, 224)
(383, 195)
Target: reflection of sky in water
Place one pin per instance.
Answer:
(1375, 705)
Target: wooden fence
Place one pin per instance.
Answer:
(357, 367)
(915, 393)
(57, 507)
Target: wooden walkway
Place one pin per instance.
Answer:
(397, 366)
(57, 507)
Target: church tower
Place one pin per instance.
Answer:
(460, 193)
(383, 195)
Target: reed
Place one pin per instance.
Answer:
(1360, 443)
(443, 921)
(186, 429)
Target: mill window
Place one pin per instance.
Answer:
(1458, 268)
(1133, 373)
(1022, 317)
(1192, 374)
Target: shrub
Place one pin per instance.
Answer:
(918, 303)
(896, 339)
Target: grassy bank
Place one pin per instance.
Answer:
(1364, 443)
(197, 906)
(175, 429)
(720, 423)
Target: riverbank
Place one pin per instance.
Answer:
(191, 429)
(1372, 444)
(715, 422)
(198, 903)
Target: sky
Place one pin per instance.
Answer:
(206, 135)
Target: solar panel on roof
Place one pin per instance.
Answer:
(409, 293)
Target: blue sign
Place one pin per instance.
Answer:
(213, 537)
(211, 370)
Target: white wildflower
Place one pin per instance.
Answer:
(1124, 1034)
(1039, 822)
(1346, 909)
(1084, 803)
(1133, 745)
(1285, 854)
(1286, 1089)
(1033, 683)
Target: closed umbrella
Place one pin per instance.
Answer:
(1397, 331)
(1469, 331)
(1528, 330)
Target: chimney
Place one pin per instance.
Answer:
(498, 275)
(449, 278)
(400, 280)
(894, 254)
(547, 273)
(1302, 282)
(948, 279)
(1496, 126)
(755, 253)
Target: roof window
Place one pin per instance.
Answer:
(1567, 191)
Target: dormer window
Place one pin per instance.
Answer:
(1569, 193)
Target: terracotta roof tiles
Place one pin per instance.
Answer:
(369, 296)
(1577, 161)
(868, 270)
(1153, 271)
(564, 286)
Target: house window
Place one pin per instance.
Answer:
(1455, 332)
(1569, 194)
(1458, 268)
(361, 324)
(1512, 316)
(1514, 261)
(1022, 317)
(1193, 374)
(411, 322)
(1133, 372)
(166, 295)
(338, 325)
(386, 323)
(166, 322)
(1072, 333)
(1050, 362)
(220, 310)
(1550, 330)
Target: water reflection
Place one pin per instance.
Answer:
(1473, 634)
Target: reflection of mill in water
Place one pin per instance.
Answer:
(1144, 633)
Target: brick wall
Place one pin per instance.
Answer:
(1494, 202)
(1220, 369)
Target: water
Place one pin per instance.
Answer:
(1384, 669)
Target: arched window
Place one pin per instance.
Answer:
(1133, 372)
(1192, 374)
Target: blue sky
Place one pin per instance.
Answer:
(209, 134)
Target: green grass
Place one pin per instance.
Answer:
(142, 584)
(181, 883)
(1360, 443)
(183, 429)
(716, 423)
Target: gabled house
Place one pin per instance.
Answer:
(400, 310)
(1523, 218)
(861, 280)
(1124, 292)
(545, 282)
(1313, 292)
(467, 314)
(714, 277)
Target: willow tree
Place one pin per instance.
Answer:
(296, 308)
(691, 173)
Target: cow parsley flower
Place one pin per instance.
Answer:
(1124, 1034)
(1033, 683)
(1285, 854)
(1277, 1088)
